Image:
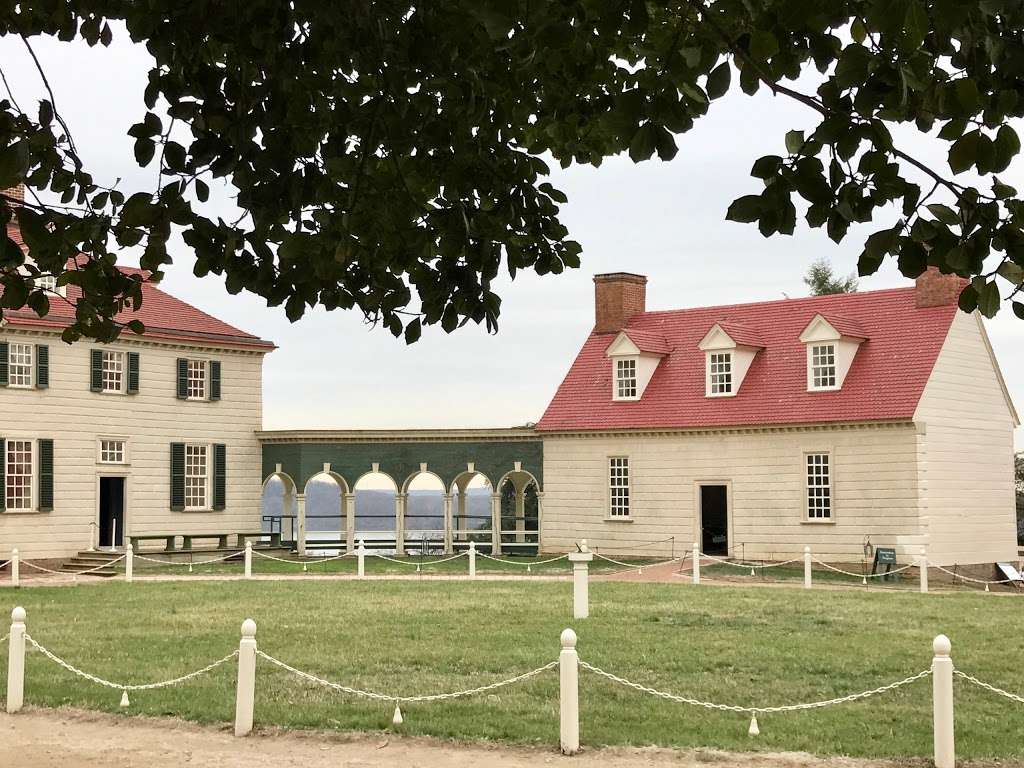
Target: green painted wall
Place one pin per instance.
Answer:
(301, 461)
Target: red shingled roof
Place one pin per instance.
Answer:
(885, 382)
(846, 326)
(646, 341)
(742, 334)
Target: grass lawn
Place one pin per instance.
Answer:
(732, 645)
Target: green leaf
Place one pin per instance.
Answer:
(964, 152)
(852, 67)
(1003, 191)
(915, 25)
(968, 301)
(988, 299)
(413, 331)
(644, 143)
(763, 44)
(1006, 146)
(794, 141)
(1013, 273)
(202, 191)
(858, 31)
(1018, 310)
(745, 209)
(967, 97)
(719, 80)
(144, 151)
(954, 129)
(766, 167)
(13, 164)
(945, 214)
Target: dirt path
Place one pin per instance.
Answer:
(76, 739)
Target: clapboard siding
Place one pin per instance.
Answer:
(874, 481)
(75, 418)
(967, 452)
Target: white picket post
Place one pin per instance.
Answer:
(16, 662)
(569, 694)
(15, 568)
(248, 559)
(696, 562)
(942, 700)
(245, 695)
(581, 581)
(922, 565)
(472, 559)
(129, 563)
(807, 567)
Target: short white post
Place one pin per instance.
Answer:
(569, 694)
(942, 698)
(15, 568)
(16, 662)
(581, 580)
(92, 536)
(248, 559)
(807, 567)
(922, 566)
(472, 559)
(245, 696)
(361, 559)
(696, 562)
(129, 563)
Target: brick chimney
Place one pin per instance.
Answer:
(18, 193)
(934, 289)
(617, 297)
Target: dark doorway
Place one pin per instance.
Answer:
(714, 519)
(111, 511)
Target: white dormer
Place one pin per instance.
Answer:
(729, 349)
(832, 343)
(635, 356)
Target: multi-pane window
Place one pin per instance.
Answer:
(196, 380)
(113, 372)
(618, 486)
(197, 477)
(18, 474)
(19, 365)
(819, 486)
(112, 452)
(720, 373)
(46, 282)
(823, 366)
(625, 378)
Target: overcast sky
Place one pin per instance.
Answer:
(663, 220)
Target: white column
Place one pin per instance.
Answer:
(248, 559)
(696, 562)
(569, 694)
(495, 524)
(400, 524)
(942, 698)
(245, 695)
(15, 568)
(472, 559)
(460, 500)
(922, 565)
(286, 509)
(447, 523)
(581, 582)
(540, 522)
(350, 521)
(16, 662)
(300, 524)
(807, 567)
(521, 515)
(361, 559)
(129, 563)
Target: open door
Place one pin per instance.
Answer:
(714, 519)
(111, 512)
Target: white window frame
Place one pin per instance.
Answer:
(207, 504)
(808, 474)
(715, 387)
(18, 349)
(202, 366)
(32, 478)
(619, 504)
(100, 452)
(121, 369)
(814, 365)
(627, 384)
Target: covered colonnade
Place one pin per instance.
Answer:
(405, 490)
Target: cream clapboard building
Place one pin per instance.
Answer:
(150, 434)
(759, 429)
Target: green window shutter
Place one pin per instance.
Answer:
(133, 373)
(177, 477)
(3, 363)
(45, 496)
(220, 470)
(182, 378)
(3, 467)
(96, 370)
(215, 379)
(42, 366)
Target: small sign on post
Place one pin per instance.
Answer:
(885, 556)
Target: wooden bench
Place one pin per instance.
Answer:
(167, 538)
(275, 537)
(187, 539)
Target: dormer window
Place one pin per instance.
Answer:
(729, 349)
(625, 379)
(832, 342)
(720, 373)
(823, 366)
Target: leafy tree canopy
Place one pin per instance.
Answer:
(388, 155)
(823, 281)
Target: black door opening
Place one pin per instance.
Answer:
(714, 520)
(111, 511)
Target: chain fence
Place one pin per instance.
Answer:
(989, 687)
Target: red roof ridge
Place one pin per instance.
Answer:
(797, 300)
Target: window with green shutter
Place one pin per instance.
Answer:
(177, 477)
(133, 373)
(182, 378)
(215, 380)
(96, 370)
(42, 366)
(45, 497)
(220, 469)
(3, 363)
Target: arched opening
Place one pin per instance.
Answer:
(278, 507)
(325, 514)
(519, 513)
(471, 511)
(375, 511)
(424, 525)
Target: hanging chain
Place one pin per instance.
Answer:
(987, 687)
